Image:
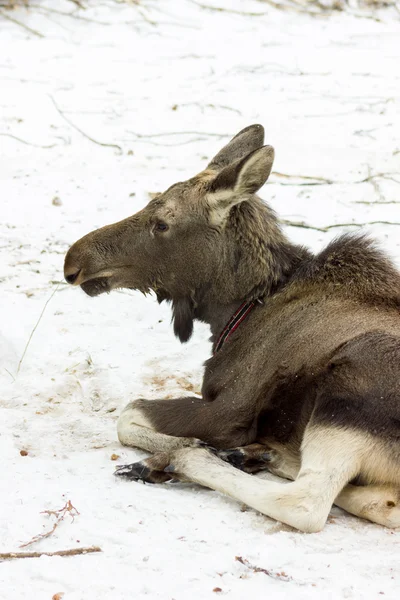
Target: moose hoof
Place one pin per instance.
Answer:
(248, 459)
(141, 472)
(234, 457)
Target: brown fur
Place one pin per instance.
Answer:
(321, 350)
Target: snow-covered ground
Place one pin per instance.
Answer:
(162, 85)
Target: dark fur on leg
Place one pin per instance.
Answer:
(250, 459)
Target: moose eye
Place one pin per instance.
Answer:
(160, 226)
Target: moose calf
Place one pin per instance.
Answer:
(304, 378)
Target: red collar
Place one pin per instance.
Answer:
(234, 322)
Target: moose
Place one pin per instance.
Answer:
(303, 385)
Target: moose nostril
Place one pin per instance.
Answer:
(73, 276)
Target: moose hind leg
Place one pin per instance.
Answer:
(304, 503)
(377, 503)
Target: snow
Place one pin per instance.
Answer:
(168, 83)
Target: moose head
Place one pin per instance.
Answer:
(203, 242)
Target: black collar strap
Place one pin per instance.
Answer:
(239, 316)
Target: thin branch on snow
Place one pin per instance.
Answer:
(228, 10)
(26, 27)
(281, 576)
(59, 514)
(34, 329)
(164, 145)
(156, 8)
(72, 15)
(14, 137)
(311, 5)
(388, 176)
(148, 139)
(308, 177)
(10, 374)
(374, 202)
(78, 4)
(323, 181)
(203, 106)
(303, 225)
(168, 133)
(312, 183)
(317, 9)
(375, 185)
(145, 17)
(291, 8)
(70, 552)
(80, 130)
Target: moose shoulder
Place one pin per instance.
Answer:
(304, 378)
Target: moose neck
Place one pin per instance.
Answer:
(263, 262)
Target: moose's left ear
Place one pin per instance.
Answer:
(244, 177)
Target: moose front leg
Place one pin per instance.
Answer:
(135, 429)
(163, 426)
(183, 422)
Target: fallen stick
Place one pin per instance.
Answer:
(304, 225)
(34, 329)
(70, 552)
(69, 508)
(26, 27)
(281, 576)
(60, 112)
(14, 137)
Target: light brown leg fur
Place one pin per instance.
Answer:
(304, 503)
(377, 503)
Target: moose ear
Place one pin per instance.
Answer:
(243, 178)
(245, 141)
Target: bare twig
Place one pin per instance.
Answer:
(375, 185)
(308, 177)
(366, 224)
(289, 7)
(388, 176)
(203, 106)
(148, 139)
(374, 203)
(281, 576)
(10, 374)
(59, 514)
(144, 16)
(78, 4)
(70, 552)
(319, 9)
(14, 137)
(72, 15)
(34, 329)
(26, 27)
(169, 133)
(80, 130)
(303, 225)
(228, 10)
(323, 181)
